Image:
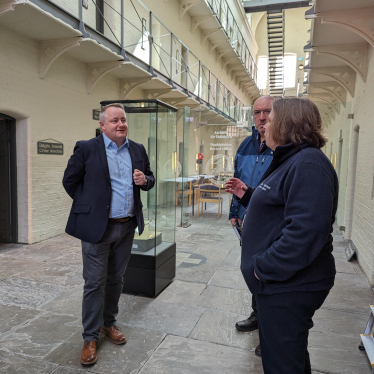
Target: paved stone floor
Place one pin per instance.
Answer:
(187, 329)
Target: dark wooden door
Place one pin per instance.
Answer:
(8, 180)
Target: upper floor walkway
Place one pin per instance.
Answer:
(126, 39)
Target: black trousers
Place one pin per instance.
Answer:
(254, 305)
(104, 264)
(284, 321)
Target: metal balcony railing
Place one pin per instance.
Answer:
(233, 33)
(130, 29)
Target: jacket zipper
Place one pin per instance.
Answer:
(254, 171)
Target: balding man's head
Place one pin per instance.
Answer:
(261, 111)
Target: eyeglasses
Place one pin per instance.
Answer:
(257, 113)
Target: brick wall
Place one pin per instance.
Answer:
(363, 211)
(340, 147)
(356, 177)
(55, 107)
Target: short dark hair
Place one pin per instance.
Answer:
(296, 120)
(104, 108)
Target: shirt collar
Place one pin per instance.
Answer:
(108, 142)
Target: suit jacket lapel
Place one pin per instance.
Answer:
(131, 151)
(102, 155)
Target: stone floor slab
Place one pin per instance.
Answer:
(351, 292)
(180, 292)
(150, 314)
(72, 256)
(228, 279)
(233, 259)
(10, 266)
(178, 355)
(219, 327)
(40, 336)
(202, 273)
(197, 274)
(341, 323)
(187, 247)
(68, 370)
(69, 302)
(124, 359)
(12, 316)
(26, 293)
(203, 304)
(55, 272)
(343, 266)
(15, 364)
(226, 299)
(330, 353)
(43, 251)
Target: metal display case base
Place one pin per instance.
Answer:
(148, 274)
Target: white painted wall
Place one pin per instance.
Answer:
(356, 201)
(363, 211)
(57, 107)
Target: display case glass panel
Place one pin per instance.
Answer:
(153, 124)
(209, 143)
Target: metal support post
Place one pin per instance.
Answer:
(187, 68)
(85, 34)
(171, 60)
(123, 53)
(150, 39)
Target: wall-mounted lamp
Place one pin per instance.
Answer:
(301, 67)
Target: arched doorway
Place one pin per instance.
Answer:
(8, 180)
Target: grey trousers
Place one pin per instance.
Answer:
(104, 264)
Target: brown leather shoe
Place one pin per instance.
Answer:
(114, 333)
(89, 356)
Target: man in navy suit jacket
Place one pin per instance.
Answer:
(104, 177)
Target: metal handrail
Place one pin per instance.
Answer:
(219, 11)
(195, 78)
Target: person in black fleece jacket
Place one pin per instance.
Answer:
(287, 259)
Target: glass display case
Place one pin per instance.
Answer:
(152, 263)
(207, 148)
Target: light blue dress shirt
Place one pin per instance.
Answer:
(120, 171)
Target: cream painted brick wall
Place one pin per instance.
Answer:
(341, 122)
(363, 207)
(362, 217)
(89, 14)
(59, 108)
(72, 6)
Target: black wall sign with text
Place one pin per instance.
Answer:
(48, 148)
(96, 114)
